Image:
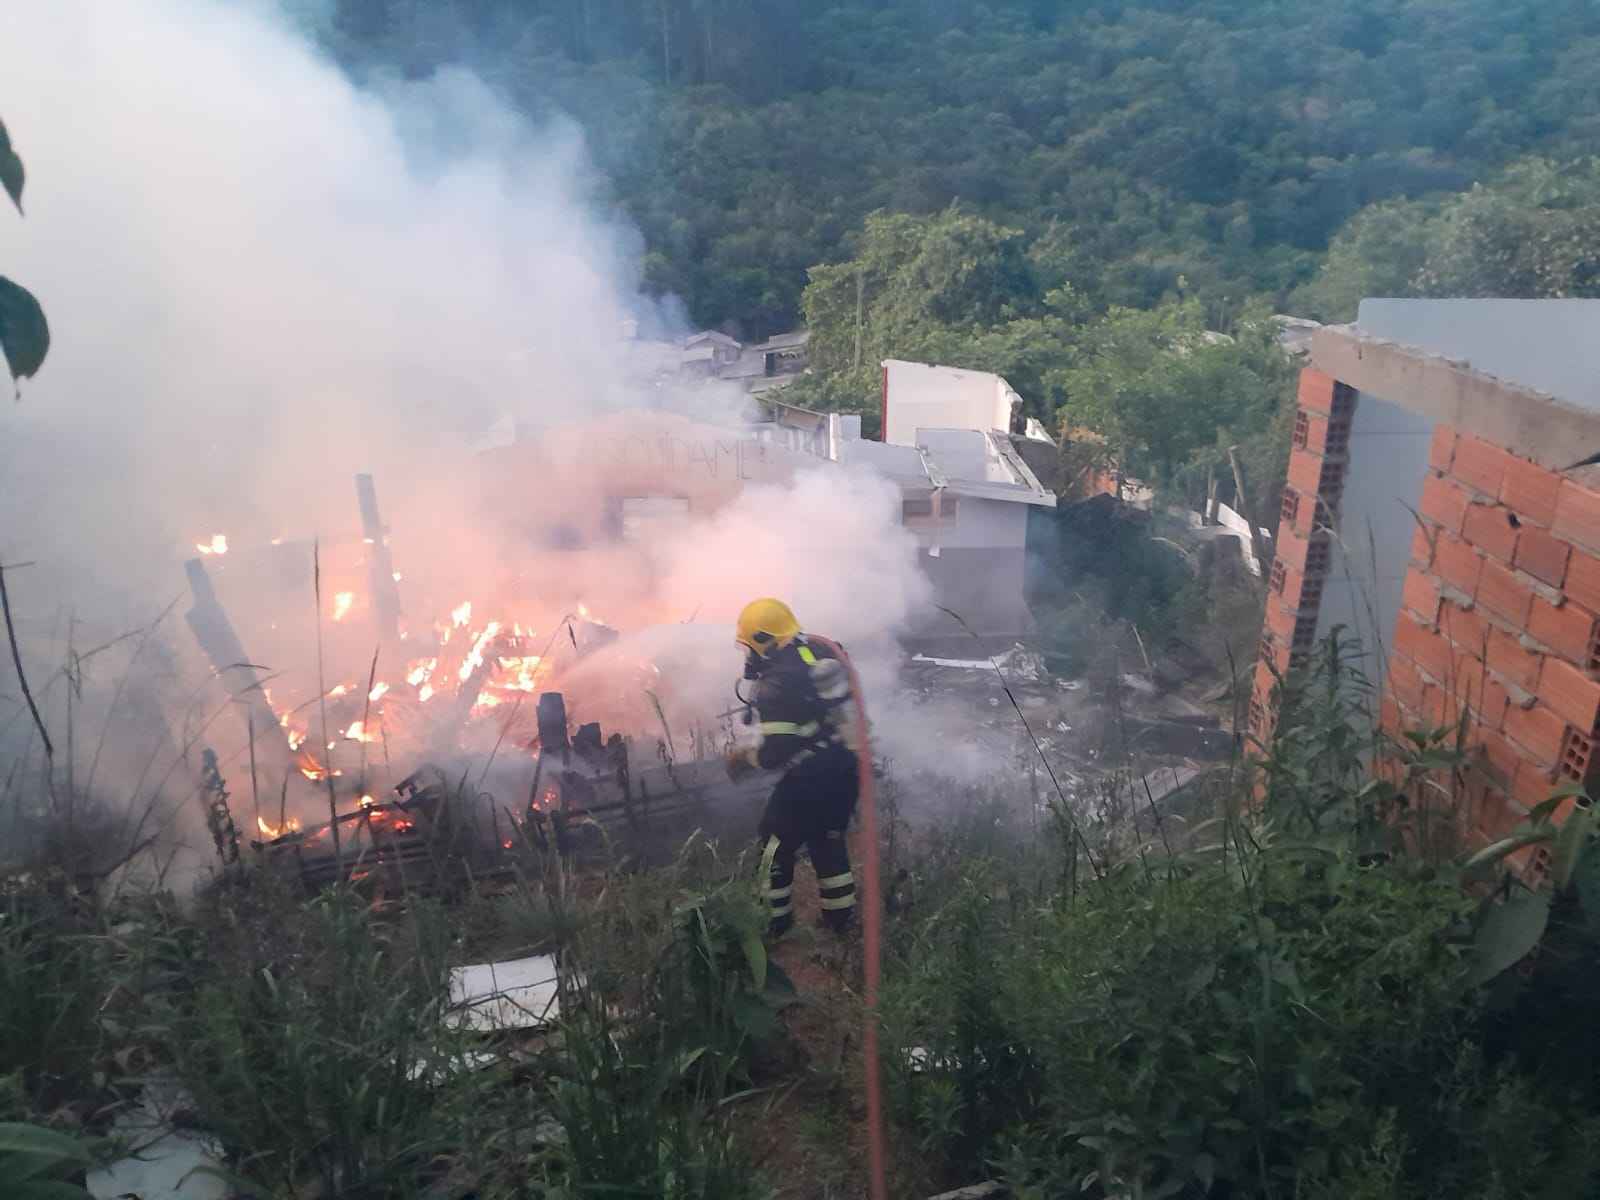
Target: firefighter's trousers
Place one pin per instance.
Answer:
(811, 807)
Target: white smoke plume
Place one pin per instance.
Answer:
(262, 279)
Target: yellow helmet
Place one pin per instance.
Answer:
(766, 625)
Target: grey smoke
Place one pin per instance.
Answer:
(262, 279)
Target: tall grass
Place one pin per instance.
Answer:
(1272, 1003)
(53, 985)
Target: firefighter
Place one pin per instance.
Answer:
(802, 701)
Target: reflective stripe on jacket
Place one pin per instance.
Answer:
(803, 701)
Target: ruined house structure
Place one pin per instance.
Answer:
(1435, 510)
(708, 355)
(965, 487)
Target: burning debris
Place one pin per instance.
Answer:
(504, 771)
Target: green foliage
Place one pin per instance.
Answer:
(1090, 567)
(638, 1118)
(24, 333)
(54, 983)
(953, 288)
(1162, 389)
(1533, 232)
(1218, 141)
(1379, 252)
(311, 1040)
(1173, 1030)
(1282, 1003)
(42, 1164)
(12, 174)
(640, 1096)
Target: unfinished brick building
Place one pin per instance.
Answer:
(1433, 509)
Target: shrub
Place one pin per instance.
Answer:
(1161, 1032)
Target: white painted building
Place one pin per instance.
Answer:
(926, 396)
(965, 490)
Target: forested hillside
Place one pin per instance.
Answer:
(1216, 144)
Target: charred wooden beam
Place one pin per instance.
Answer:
(380, 565)
(553, 727)
(209, 623)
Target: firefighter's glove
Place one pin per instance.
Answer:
(740, 761)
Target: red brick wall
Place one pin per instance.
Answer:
(1303, 550)
(1500, 619)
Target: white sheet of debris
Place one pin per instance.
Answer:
(1016, 663)
(964, 664)
(165, 1159)
(521, 993)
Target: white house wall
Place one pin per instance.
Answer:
(930, 397)
(986, 524)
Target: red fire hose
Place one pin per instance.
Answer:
(871, 927)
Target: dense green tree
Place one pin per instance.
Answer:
(1380, 252)
(1166, 392)
(951, 288)
(1223, 142)
(1533, 232)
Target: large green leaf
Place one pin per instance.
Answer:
(18, 1138)
(1586, 879)
(1571, 842)
(24, 333)
(48, 1189)
(1506, 934)
(1497, 852)
(32, 1160)
(755, 954)
(11, 172)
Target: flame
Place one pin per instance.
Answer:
(297, 737)
(312, 769)
(583, 611)
(217, 545)
(341, 604)
(290, 825)
(420, 670)
(461, 613)
(474, 658)
(367, 801)
(356, 733)
(426, 693)
(377, 692)
(522, 673)
(342, 690)
(397, 576)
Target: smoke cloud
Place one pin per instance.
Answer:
(262, 279)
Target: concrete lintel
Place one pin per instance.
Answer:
(1530, 423)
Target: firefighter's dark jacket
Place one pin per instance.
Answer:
(803, 701)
